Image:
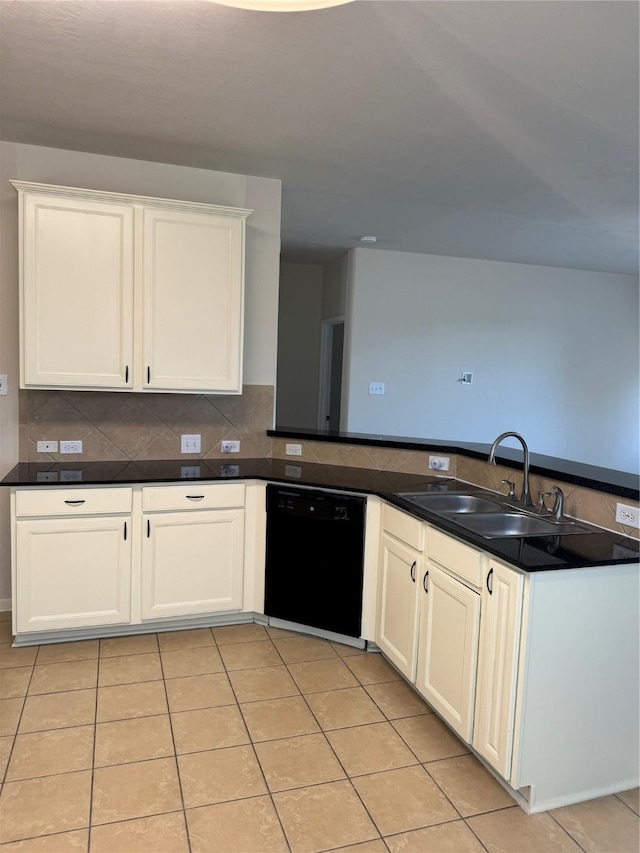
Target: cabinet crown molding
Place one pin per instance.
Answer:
(126, 198)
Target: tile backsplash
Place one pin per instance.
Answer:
(114, 425)
(128, 425)
(588, 504)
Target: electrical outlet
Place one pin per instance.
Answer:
(229, 470)
(4, 384)
(292, 471)
(376, 387)
(230, 447)
(628, 515)
(293, 449)
(70, 476)
(439, 463)
(189, 472)
(189, 444)
(47, 446)
(70, 447)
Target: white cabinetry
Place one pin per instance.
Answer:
(88, 557)
(427, 618)
(72, 559)
(498, 666)
(401, 562)
(192, 555)
(129, 293)
(448, 649)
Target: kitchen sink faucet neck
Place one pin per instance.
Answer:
(525, 497)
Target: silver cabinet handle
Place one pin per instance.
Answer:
(75, 503)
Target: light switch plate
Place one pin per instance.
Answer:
(190, 443)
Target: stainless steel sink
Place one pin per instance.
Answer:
(457, 503)
(493, 525)
(492, 517)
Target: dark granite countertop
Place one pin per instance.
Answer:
(531, 554)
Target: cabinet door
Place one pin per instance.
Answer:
(193, 301)
(448, 648)
(498, 666)
(400, 571)
(73, 573)
(192, 562)
(77, 293)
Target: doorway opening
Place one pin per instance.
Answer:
(330, 384)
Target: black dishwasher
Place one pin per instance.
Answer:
(314, 560)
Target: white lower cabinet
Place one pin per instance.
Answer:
(448, 648)
(498, 666)
(400, 567)
(85, 557)
(192, 563)
(72, 572)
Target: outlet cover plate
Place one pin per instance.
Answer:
(70, 447)
(628, 515)
(439, 463)
(190, 443)
(230, 447)
(293, 449)
(47, 446)
(376, 387)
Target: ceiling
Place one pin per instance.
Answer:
(487, 129)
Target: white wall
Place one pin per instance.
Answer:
(554, 354)
(93, 171)
(334, 288)
(299, 345)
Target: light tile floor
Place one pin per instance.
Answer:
(250, 740)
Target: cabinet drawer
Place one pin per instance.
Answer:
(192, 496)
(464, 561)
(72, 501)
(404, 527)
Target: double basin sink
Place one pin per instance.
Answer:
(491, 516)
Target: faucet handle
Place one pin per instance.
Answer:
(512, 488)
(541, 506)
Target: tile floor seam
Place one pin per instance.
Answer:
(175, 753)
(633, 811)
(475, 834)
(566, 831)
(93, 755)
(15, 734)
(444, 793)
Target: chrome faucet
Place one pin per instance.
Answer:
(525, 498)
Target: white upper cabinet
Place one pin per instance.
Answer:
(77, 294)
(126, 292)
